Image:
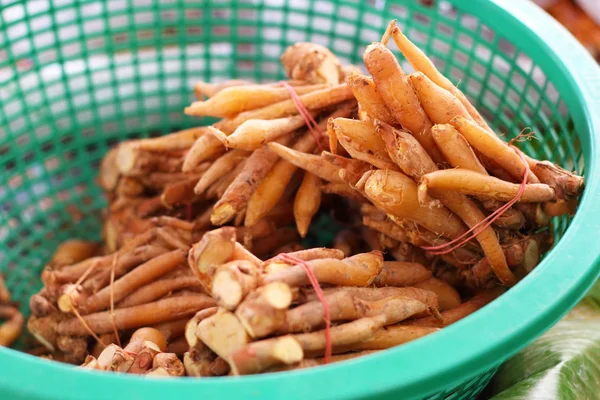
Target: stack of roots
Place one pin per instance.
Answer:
(203, 273)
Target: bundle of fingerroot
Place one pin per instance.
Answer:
(203, 272)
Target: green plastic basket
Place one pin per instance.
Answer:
(76, 77)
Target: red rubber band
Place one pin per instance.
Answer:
(310, 121)
(465, 237)
(315, 284)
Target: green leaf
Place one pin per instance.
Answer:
(563, 364)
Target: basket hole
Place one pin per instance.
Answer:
(399, 11)
(486, 33)
(501, 66)
(446, 30)
(465, 41)
(422, 19)
(441, 46)
(469, 22)
(507, 48)
(519, 81)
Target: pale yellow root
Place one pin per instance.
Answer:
(456, 149)
(474, 184)
(307, 202)
(439, 104)
(272, 188)
(207, 89)
(235, 199)
(263, 311)
(388, 337)
(222, 333)
(215, 248)
(394, 311)
(164, 310)
(458, 313)
(220, 168)
(109, 174)
(396, 273)
(359, 270)
(311, 62)
(421, 62)
(361, 134)
(233, 281)
(253, 133)
(396, 194)
(234, 100)
(181, 140)
(259, 356)
(140, 276)
(314, 164)
(400, 97)
(192, 326)
(369, 98)
(491, 146)
(448, 296)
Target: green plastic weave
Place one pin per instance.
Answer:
(77, 77)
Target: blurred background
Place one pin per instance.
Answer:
(580, 17)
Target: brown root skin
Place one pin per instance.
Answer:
(262, 355)
(41, 306)
(141, 275)
(369, 99)
(167, 362)
(270, 246)
(238, 194)
(70, 252)
(307, 202)
(215, 248)
(312, 63)
(565, 183)
(264, 310)
(222, 333)
(474, 184)
(158, 289)
(359, 270)
(310, 254)
(109, 174)
(381, 163)
(394, 311)
(373, 294)
(164, 310)
(388, 337)
(273, 187)
(458, 313)
(233, 281)
(396, 194)
(348, 242)
(399, 274)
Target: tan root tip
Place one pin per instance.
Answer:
(222, 214)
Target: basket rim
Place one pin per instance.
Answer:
(437, 362)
